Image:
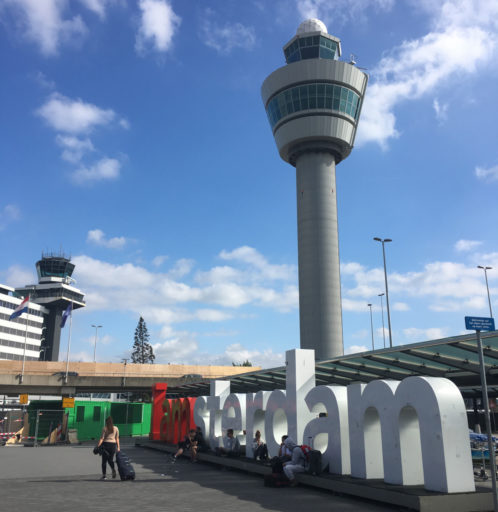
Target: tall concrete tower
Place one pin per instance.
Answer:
(313, 105)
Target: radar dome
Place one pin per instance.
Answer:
(311, 25)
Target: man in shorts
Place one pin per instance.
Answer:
(189, 443)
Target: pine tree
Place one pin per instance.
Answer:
(142, 349)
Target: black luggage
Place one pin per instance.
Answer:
(276, 465)
(276, 480)
(314, 462)
(125, 469)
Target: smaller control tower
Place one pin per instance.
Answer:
(313, 105)
(54, 292)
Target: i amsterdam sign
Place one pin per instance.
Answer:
(409, 432)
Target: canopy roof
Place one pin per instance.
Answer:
(455, 358)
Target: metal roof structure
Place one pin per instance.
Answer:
(454, 358)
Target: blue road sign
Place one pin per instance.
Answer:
(476, 323)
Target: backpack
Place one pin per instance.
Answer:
(306, 452)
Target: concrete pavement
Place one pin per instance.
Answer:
(48, 478)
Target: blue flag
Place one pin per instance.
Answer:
(66, 313)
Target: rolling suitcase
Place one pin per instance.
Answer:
(125, 469)
(313, 465)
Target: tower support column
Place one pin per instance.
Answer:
(320, 311)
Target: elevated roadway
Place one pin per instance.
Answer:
(49, 378)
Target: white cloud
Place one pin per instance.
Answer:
(446, 286)
(339, 11)
(74, 148)
(401, 306)
(183, 348)
(104, 169)
(181, 268)
(17, 276)
(41, 79)
(266, 270)
(158, 25)
(97, 237)
(133, 288)
(415, 334)
(466, 245)
(420, 66)
(224, 38)
(490, 174)
(43, 23)
(9, 213)
(97, 6)
(441, 110)
(159, 260)
(73, 116)
(354, 349)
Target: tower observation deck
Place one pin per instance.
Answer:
(313, 106)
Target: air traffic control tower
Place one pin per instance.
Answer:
(313, 105)
(55, 292)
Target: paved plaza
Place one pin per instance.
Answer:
(67, 477)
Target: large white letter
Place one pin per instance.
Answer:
(219, 390)
(330, 434)
(288, 410)
(234, 415)
(411, 433)
(255, 417)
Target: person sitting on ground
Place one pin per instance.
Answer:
(201, 442)
(110, 440)
(297, 462)
(189, 443)
(231, 446)
(259, 448)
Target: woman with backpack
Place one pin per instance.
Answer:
(110, 442)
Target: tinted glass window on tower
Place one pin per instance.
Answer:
(311, 47)
(313, 96)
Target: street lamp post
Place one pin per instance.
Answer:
(383, 241)
(371, 326)
(97, 327)
(382, 311)
(487, 287)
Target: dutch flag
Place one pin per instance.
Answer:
(22, 308)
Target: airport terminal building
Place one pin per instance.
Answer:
(27, 329)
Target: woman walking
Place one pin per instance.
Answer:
(110, 440)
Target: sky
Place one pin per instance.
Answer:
(133, 138)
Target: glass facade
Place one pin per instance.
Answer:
(311, 47)
(313, 96)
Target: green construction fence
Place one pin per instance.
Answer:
(88, 417)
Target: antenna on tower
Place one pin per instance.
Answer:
(352, 59)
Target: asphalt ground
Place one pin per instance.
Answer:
(67, 478)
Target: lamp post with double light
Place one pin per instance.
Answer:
(384, 241)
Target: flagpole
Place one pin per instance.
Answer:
(69, 342)
(25, 343)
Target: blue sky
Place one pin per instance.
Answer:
(133, 137)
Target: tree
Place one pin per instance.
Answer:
(142, 349)
(245, 363)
